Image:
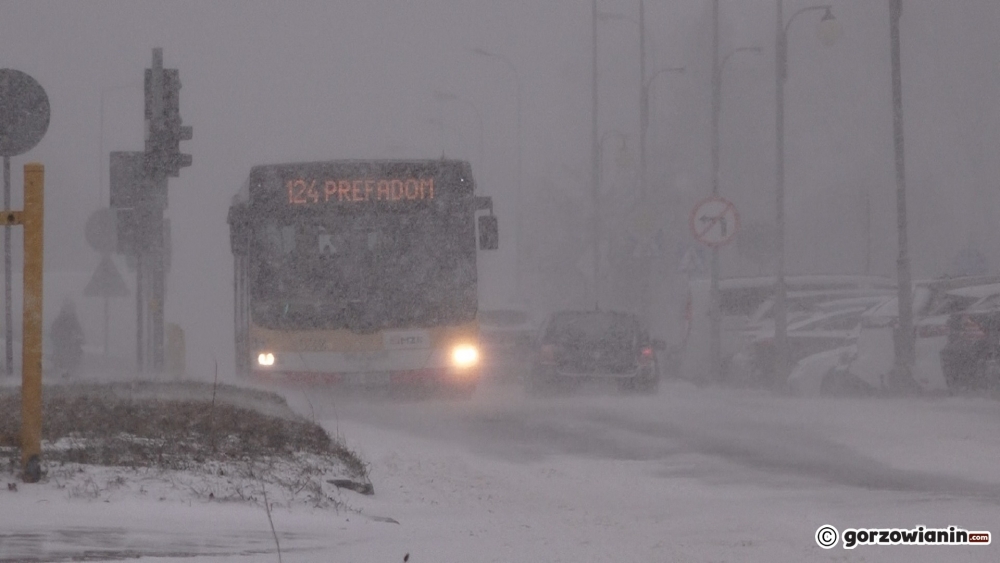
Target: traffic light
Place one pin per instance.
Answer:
(164, 131)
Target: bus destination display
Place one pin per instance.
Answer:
(309, 192)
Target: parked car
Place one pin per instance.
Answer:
(971, 356)
(866, 363)
(578, 346)
(822, 331)
(505, 340)
(933, 302)
(744, 301)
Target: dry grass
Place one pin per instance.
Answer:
(177, 426)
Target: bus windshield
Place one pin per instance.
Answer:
(363, 272)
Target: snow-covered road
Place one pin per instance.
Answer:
(691, 474)
(688, 475)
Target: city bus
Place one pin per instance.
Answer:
(359, 272)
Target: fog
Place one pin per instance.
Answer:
(268, 82)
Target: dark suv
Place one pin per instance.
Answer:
(970, 360)
(577, 346)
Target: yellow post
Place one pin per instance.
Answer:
(31, 351)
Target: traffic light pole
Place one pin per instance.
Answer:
(140, 343)
(157, 283)
(139, 193)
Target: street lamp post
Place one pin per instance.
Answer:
(904, 345)
(623, 138)
(828, 34)
(647, 85)
(448, 97)
(644, 88)
(518, 216)
(595, 148)
(715, 312)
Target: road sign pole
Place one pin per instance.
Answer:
(31, 339)
(157, 290)
(8, 315)
(24, 119)
(715, 319)
(714, 222)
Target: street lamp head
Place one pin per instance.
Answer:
(829, 28)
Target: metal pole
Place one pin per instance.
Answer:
(519, 216)
(107, 323)
(140, 304)
(904, 341)
(158, 297)
(781, 363)
(643, 103)
(100, 157)
(780, 318)
(715, 317)
(155, 226)
(31, 339)
(868, 231)
(8, 315)
(645, 270)
(595, 155)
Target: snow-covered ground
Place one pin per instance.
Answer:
(689, 475)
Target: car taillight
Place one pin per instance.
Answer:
(972, 330)
(646, 355)
(547, 355)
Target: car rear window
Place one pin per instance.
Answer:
(503, 317)
(991, 302)
(950, 303)
(592, 327)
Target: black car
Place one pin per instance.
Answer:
(578, 346)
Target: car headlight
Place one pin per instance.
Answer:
(265, 359)
(464, 356)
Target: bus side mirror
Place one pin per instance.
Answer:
(489, 234)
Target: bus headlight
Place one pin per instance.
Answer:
(464, 356)
(265, 359)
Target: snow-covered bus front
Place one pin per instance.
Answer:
(359, 272)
